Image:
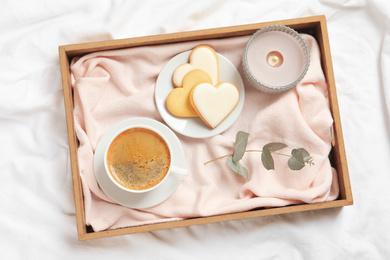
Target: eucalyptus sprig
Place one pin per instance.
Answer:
(297, 160)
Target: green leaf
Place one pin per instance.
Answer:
(305, 154)
(296, 162)
(273, 147)
(266, 159)
(237, 167)
(240, 146)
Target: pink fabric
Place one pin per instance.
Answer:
(115, 85)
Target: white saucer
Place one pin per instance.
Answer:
(193, 126)
(141, 200)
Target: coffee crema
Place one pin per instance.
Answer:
(138, 159)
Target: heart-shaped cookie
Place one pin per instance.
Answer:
(178, 102)
(202, 57)
(214, 103)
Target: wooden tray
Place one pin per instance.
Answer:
(315, 26)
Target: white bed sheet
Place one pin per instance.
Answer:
(37, 214)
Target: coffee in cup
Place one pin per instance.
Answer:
(138, 159)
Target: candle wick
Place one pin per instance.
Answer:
(274, 59)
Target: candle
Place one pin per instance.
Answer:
(276, 58)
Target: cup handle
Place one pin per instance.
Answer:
(179, 171)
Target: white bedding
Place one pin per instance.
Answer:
(37, 213)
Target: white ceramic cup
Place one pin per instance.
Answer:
(173, 170)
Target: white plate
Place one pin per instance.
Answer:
(141, 200)
(194, 126)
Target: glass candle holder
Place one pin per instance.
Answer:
(276, 58)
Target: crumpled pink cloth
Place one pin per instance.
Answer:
(111, 86)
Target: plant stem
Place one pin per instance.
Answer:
(217, 158)
(258, 151)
